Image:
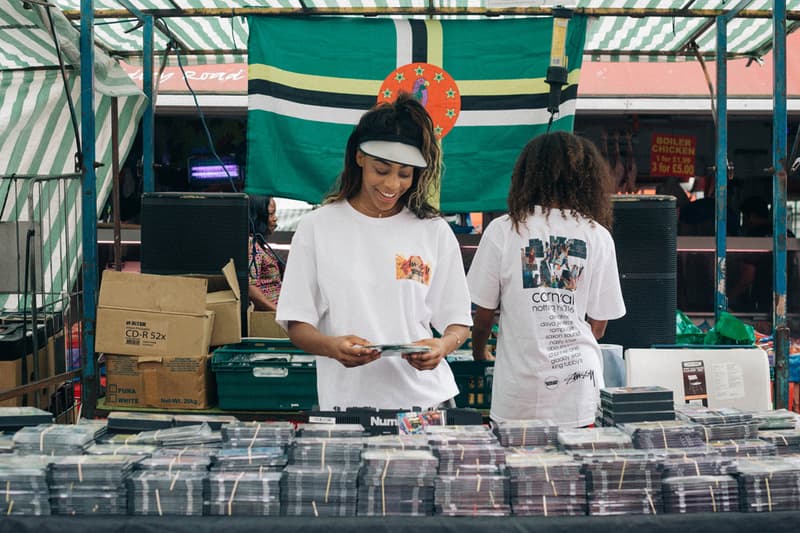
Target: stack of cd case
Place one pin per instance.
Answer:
(168, 485)
(545, 483)
(24, 483)
(699, 461)
(133, 422)
(769, 484)
(261, 459)
(197, 436)
(90, 484)
(526, 433)
(721, 424)
(622, 482)
(601, 438)
(665, 434)
(744, 448)
(786, 441)
(397, 483)
(257, 434)
(54, 439)
(322, 475)
(331, 430)
(15, 418)
(416, 441)
(700, 494)
(619, 405)
(244, 493)
(777, 419)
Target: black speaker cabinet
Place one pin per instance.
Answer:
(196, 233)
(644, 231)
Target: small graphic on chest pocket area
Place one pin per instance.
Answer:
(413, 268)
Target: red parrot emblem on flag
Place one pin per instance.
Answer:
(432, 86)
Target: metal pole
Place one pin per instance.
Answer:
(721, 185)
(779, 121)
(115, 183)
(148, 119)
(88, 209)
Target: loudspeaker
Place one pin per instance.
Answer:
(645, 229)
(196, 233)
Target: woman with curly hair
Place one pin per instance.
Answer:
(559, 211)
(376, 265)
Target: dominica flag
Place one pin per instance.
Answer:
(481, 80)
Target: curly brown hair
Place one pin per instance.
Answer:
(562, 171)
(407, 118)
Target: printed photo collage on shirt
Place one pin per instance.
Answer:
(556, 264)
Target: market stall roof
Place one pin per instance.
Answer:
(215, 31)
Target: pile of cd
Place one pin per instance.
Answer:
(199, 436)
(786, 441)
(330, 430)
(622, 482)
(14, 418)
(417, 441)
(90, 484)
(548, 484)
(723, 423)
(700, 494)
(135, 450)
(666, 434)
(699, 461)
(534, 433)
(215, 422)
(131, 422)
(777, 419)
(744, 448)
(24, 483)
(602, 438)
(471, 480)
(168, 485)
(619, 405)
(262, 459)
(322, 476)
(769, 484)
(244, 493)
(257, 434)
(6, 443)
(397, 483)
(54, 439)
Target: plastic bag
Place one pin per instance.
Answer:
(686, 332)
(731, 330)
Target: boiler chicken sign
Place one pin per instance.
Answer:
(672, 155)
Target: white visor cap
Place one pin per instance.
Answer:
(394, 151)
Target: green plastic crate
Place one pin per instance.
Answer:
(474, 380)
(265, 375)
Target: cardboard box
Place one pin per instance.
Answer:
(262, 324)
(145, 314)
(224, 299)
(165, 382)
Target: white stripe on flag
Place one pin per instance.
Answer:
(404, 42)
(512, 117)
(314, 113)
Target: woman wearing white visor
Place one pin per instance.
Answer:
(377, 265)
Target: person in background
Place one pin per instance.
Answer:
(266, 267)
(548, 361)
(377, 264)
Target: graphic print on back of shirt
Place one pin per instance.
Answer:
(553, 269)
(413, 268)
(557, 263)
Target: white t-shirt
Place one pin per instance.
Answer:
(546, 279)
(387, 280)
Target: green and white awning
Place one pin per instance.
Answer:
(215, 31)
(37, 142)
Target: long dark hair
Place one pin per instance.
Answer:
(404, 117)
(562, 171)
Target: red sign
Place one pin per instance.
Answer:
(672, 155)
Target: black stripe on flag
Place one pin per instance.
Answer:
(419, 41)
(350, 101)
(307, 97)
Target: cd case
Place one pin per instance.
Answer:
(398, 349)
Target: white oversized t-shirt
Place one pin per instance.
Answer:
(546, 279)
(387, 280)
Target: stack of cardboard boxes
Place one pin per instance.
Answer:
(156, 333)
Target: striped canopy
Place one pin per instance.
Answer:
(38, 181)
(214, 31)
